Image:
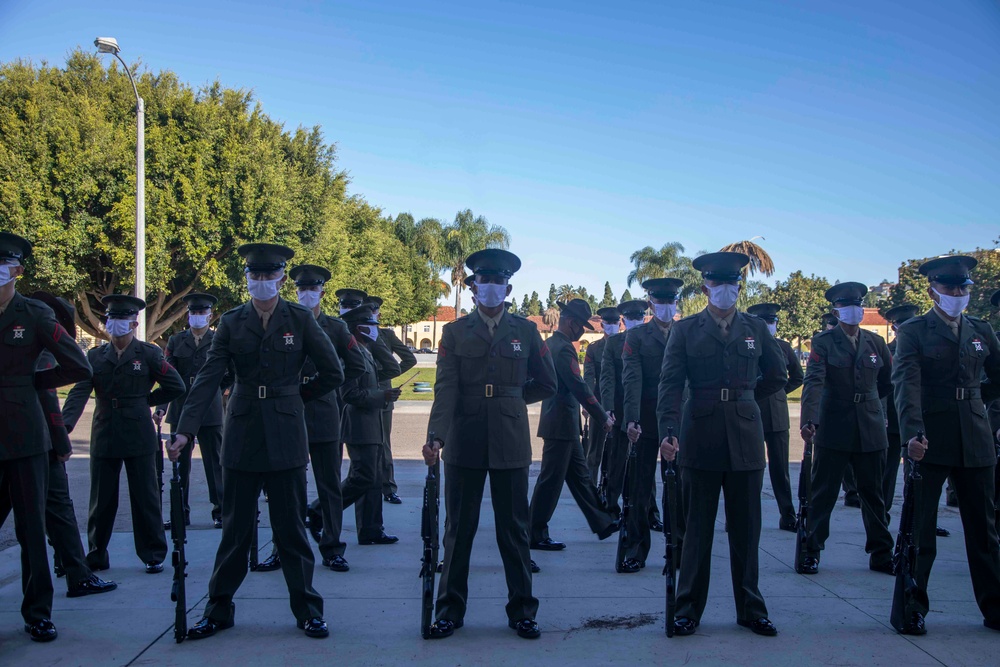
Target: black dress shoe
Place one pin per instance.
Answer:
(684, 626)
(526, 628)
(440, 566)
(612, 529)
(444, 628)
(91, 586)
(59, 571)
(207, 627)
(381, 539)
(166, 525)
(337, 564)
(548, 544)
(314, 521)
(810, 565)
(314, 627)
(534, 567)
(787, 523)
(154, 568)
(656, 526)
(992, 625)
(217, 523)
(628, 566)
(942, 532)
(851, 501)
(884, 568)
(41, 631)
(392, 499)
(762, 626)
(269, 564)
(915, 626)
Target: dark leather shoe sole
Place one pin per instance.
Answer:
(629, 566)
(42, 631)
(533, 565)
(385, 539)
(551, 545)
(154, 568)
(526, 628)
(393, 499)
(314, 630)
(337, 564)
(762, 627)
(269, 565)
(656, 527)
(915, 626)
(91, 588)
(809, 567)
(942, 532)
(684, 626)
(200, 631)
(444, 628)
(217, 523)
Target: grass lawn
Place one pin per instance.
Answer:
(422, 375)
(795, 396)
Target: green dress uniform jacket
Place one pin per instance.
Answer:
(27, 328)
(592, 366)
(482, 388)
(842, 390)
(363, 398)
(386, 345)
(612, 395)
(642, 359)
(725, 375)
(188, 358)
(774, 408)
(560, 419)
(323, 414)
(123, 387)
(265, 428)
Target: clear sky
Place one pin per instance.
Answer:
(851, 135)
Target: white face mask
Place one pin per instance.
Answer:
(117, 328)
(6, 274)
(850, 315)
(631, 324)
(773, 328)
(723, 296)
(953, 306)
(610, 329)
(263, 290)
(309, 298)
(664, 312)
(198, 321)
(368, 331)
(490, 295)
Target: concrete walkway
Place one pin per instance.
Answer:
(589, 615)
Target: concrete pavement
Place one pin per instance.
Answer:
(589, 614)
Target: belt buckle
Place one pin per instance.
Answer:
(261, 391)
(489, 391)
(960, 393)
(724, 394)
(114, 403)
(857, 398)
(191, 380)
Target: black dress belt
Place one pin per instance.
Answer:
(263, 391)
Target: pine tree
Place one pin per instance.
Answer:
(609, 297)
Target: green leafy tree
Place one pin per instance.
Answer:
(802, 305)
(468, 234)
(667, 262)
(911, 287)
(550, 302)
(626, 296)
(512, 308)
(608, 300)
(534, 305)
(986, 275)
(760, 261)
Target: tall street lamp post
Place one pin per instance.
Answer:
(110, 45)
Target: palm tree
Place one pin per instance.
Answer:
(567, 293)
(463, 237)
(551, 317)
(667, 262)
(760, 261)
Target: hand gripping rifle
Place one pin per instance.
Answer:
(178, 534)
(669, 521)
(805, 498)
(429, 533)
(906, 595)
(623, 536)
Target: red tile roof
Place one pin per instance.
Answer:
(873, 319)
(446, 314)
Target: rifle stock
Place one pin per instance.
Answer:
(623, 535)
(669, 476)
(805, 497)
(602, 486)
(905, 594)
(178, 534)
(431, 538)
(255, 542)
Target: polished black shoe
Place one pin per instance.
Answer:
(548, 544)
(612, 529)
(314, 627)
(314, 522)
(787, 523)
(942, 532)
(526, 628)
(392, 499)
(217, 523)
(810, 565)
(381, 539)
(337, 564)
(444, 628)
(915, 626)
(91, 586)
(656, 526)
(269, 564)
(884, 568)
(851, 501)
(59, 571)
(762, 626)
(684, 626)
(992, 625)
(534, 567)
(41, 631)
(628, 566)
(154, 568)
(207, 627)
(166, 525)
(440, 567)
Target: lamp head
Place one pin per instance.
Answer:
(107, 45)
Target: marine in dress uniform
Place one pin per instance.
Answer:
(593, 448)
(848, 373)
(942, 359)
(69, 558)
(122, 433)
(774, 418)
(491, 364)
(729, 359)
(559, 427)
(265, 443)
(895, 316)
(27, 327)
(187, 351)
(613, 397)
(642, 358)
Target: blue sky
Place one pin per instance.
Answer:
(850, 135)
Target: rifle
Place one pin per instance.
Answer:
(407, 380)
(178, 534)
(906, 595)
(623, 535)
(669, 519)
(429, 533)
(255, 543)
(586, 431)
(602, 486)
(159, 471)
(805, 496)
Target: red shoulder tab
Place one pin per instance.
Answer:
(56, 419)
(165, 367)
(352, 343)
(544, 351)
(591, 400)
(814, 357)
(627, 349)
(58, 333)
(574, 366)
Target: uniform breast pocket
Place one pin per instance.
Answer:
(748, 355)
(19, 335)
(515, 363)
(702, 359)
(473, 347)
